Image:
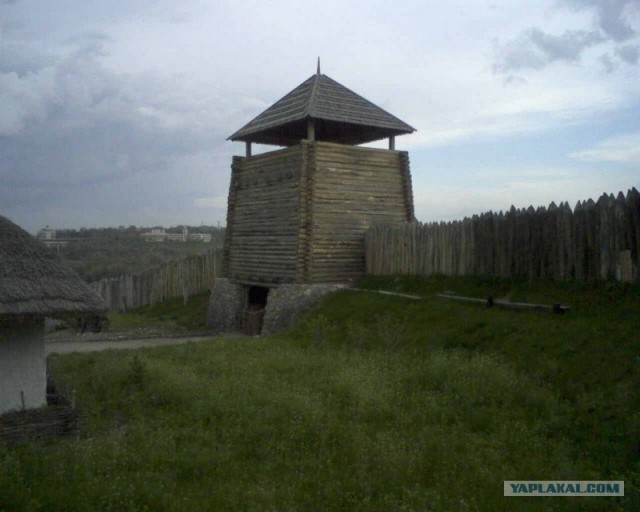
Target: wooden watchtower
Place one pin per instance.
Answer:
(299, 214)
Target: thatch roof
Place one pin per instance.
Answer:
(340, 116)
(33, 281)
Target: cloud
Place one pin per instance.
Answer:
(609, 64)
(39, 86)
(211, 202)
(22, 100)
(611, 16)
(117, 112)
(536, 49)
(500, 187)
(24, 57)
(74, 121)
(629, 53)
(89, 44)
(620, 148)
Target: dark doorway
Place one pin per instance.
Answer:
(254, 312)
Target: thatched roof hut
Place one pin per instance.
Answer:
(33, 281)
(33, 284)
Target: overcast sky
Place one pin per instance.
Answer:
(116, 112)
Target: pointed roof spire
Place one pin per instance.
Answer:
(343, 116)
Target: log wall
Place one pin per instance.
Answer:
(263, 217)
(176, 278)
(351, 188)
(595, 240)
(299, 215)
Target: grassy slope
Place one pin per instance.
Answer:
(171, 315)
(369, 403)
(590, 356)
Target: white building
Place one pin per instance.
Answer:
(155, 235)
(200, 237)
(47, 234)
(160, 235)
(33, 284)
(178, 237)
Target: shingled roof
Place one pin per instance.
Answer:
(33, 281)
(340, 115)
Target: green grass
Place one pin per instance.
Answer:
(170, 315)
(369, 403)
(590, 356)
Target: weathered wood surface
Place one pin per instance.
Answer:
(59, 417)
(263, 217)
(176, 278)
(595, 240)
(353, 188)
(300, 214)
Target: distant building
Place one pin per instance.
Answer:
(46, 234)
(200, 237)
(48, 237)
(155, 235)
(160, 235)
(178, 237)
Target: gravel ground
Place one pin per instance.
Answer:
(116, 335)
(70, 340)
(83, 345)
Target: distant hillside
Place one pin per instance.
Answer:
(109, 252)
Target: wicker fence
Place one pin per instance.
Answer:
(59, 418)
(176, 278)
(595, 240)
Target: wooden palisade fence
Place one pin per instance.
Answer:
(176, 278)
(595, 240)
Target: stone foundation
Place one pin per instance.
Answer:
(229, 304)
(226, 306)
(286, 302)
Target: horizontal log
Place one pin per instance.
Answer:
(369, 170)
(273, 199)
(269, 271)
(363, 199)
(356, 157)
(355, 171)
(392, 185)
(257, 240)
(489, 302)
(343, 260)
(328, 209)
(263, 256)
(269, 158)
(247, 259)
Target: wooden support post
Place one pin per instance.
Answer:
(392, 142)
(311, 129)
(248, 148)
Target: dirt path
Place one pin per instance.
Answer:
(66, 347)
